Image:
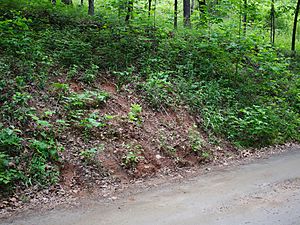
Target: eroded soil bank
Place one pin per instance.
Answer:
(266, 191)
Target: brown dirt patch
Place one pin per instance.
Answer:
(161, 142)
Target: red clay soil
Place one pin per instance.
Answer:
(161, 141)
(129, 151)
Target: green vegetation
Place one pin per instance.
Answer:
(135, 114)
(85, 100)
(132, 156)
(195, 139)
(243, 87)
(90, 155)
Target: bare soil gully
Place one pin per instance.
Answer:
(261, 187)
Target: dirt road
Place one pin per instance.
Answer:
(266, 192)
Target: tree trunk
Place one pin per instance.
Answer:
(175, 13)
(187, 12)
(295, 26)
(81, 3)
(91, 7)
(155, 2)
(272, 33)
(67, 2)
(192, 6)
(245, 16)
(129, 11)
(149, 7)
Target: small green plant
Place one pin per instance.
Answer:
(132, 156)
(62, 125)
(108, 117)
(131, 159)
(42, 172)
(43, 127)
(75, 115)
(90, 74)
(90, 155)
(10, 142)
(60, 89)
(165, 146)
(47, 149)
(41, 124)
(206, 154)
(49, 114)
(86, 99)
(72, 73)
(90, 122)
(123, 77)
(195, 140)
(159, 91)
(135, 114)
(17, 109)
(7, 173)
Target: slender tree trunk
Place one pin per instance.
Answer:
(272, 33)
(187, 12)
(154, 19)
(91, 7)
(192, 6)
(149, 7)
(175, 13)
(245, 16)
(81, 3)
(295, 26)
(129, 11)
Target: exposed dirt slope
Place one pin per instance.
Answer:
(160, 144)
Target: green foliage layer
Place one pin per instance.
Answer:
(241, 87)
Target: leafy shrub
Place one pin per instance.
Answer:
(10, 147)
(69, 50)
(90, 155)
(92, 121)
(47, 149)
(131, 159)
(42, 172)
(135, 114)
(13, 38)
(86, 99)
(89, 75)
(195, 140)
(43, 168)
(132, 156)
(253, 126)
(158, 90)
(7, 174)
(60, 89)
(17, 109)
(10, 142)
